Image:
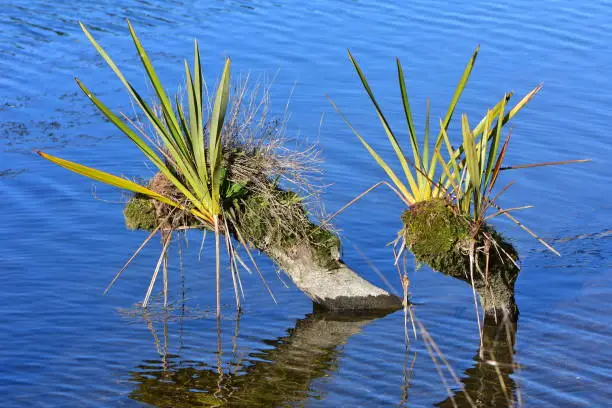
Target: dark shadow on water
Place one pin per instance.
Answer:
(279, 376)
(489, 383)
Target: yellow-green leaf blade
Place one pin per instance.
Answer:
(387, 169)
(454, 100)
(108, 178)
(383, 120)
(216, 126)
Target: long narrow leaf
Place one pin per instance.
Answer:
(498, 164)
(109, 61)
(155, 159)
(483, 150)
(449, 175)
(394, 143)
(109, 179)
(197, 88)
(166, 106)
(408, 113)
(195, 137)
(169, 139)
(216, 126)
(426, 136)
(465, 76)
(496, 140)
(387, 169)
(470, 151)
(557, 163)
(453, 163)
(196, 120)
(460, 87)
(471, 163)
(478, 129)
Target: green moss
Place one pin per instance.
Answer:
(431, 228)
(139, 213)
(325, 246)
(257, 223)
(440, 238)
(281, 221)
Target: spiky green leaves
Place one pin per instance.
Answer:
(420, 172)
(182, 155)
(469, 172)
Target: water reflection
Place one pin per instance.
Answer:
(278, 376)
(283, 374)
(488, 383)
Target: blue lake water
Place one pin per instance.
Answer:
(63, 238)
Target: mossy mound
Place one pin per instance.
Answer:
(270, 220)
(139, 213)
(280, 220)
(437, 236)
(441, 238)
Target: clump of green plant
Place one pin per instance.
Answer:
(191, 147)
(185, 154)
(420, 171)
(216, 159)
(450, 192)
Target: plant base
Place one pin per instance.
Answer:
(440, 238)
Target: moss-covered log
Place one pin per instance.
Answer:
(277, 224)
(442, 239)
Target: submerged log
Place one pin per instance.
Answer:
(442, 239)
(278, 226)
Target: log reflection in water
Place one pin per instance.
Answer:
(275, 377)
(488, 383)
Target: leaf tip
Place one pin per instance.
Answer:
(350, 54)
